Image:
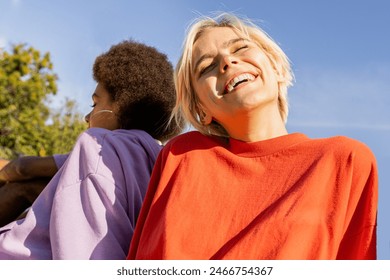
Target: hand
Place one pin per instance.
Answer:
(3, 162)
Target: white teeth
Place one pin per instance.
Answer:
(248, 77)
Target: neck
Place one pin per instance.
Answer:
(253, 127)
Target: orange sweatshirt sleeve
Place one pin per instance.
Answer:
(359, 241)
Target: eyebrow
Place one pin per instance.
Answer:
(224, 45)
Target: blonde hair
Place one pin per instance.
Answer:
(187, 102)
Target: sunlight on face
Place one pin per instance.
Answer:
(103, 112)
(231, 76)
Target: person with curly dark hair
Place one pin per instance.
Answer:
(90, 206)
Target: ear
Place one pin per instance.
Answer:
(204, 115)
(207, 119)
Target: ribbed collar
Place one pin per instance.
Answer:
(265, 147)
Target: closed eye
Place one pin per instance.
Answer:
(93, 105)
(206, 69)
(241, 48)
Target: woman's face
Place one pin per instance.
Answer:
(103, 112)
(231, 75)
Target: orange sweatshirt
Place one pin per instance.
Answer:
(289, 197)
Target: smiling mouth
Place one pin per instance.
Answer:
(243, 78)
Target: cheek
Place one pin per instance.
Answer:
(204, 96)
(258, 59)
(207, 87)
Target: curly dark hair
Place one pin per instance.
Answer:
(140, 81)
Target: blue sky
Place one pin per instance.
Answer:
(340, 53)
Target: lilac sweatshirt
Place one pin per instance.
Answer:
(89, 209)
(60, 159)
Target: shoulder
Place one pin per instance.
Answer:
(345, 144)
(99, 149)
(343, 148)
(185, 137)
(100, 134)
(120, 139)
(96, 133)
(193, 140)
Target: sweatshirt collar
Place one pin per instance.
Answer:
(265, 147)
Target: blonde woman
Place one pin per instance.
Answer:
(242, 186)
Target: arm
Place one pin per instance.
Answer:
(359, 240)
(16, 197)
(21, 181)
(24, 168)
(89, 208)
(99, 196)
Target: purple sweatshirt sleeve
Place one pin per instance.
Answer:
(60, 160)
(89, 208)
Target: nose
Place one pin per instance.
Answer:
(87, 117)
(227, 61)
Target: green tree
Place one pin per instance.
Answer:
(67, 124)
(27, 80)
